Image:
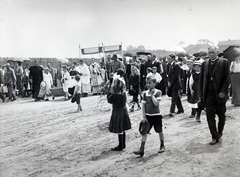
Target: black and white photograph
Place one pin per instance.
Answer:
(119, 88)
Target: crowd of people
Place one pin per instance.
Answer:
(206, 82)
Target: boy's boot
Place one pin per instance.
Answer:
(120, 146)
(141, 150)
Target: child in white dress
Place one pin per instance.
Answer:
(47, 78)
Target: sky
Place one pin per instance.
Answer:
(56, 28)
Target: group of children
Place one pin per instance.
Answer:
(151, 97)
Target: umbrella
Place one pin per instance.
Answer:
(128, 54)
(62, 60)
(144, 53)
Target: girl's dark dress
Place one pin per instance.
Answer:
(119, 121)
(193, 99)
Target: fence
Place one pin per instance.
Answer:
(44, 61)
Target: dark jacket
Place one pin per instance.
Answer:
(221, 79)
(174, 76)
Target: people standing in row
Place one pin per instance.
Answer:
(213, 91)
(235, 78)
(174, 83)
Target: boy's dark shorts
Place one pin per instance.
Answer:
(155, 121)
(77, 96)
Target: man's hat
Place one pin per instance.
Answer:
(144, 127)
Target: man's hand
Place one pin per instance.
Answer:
(221, 95)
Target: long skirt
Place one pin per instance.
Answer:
(119, 121)
(235, 77)
(86, 88)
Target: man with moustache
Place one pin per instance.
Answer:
(213, 91)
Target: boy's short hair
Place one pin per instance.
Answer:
(151, 78)
(77, 78)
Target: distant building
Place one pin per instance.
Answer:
(223, 45)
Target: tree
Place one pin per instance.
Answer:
(141, 47)
(130, 47)
(204, 41)
(182, 44)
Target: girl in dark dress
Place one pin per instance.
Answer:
(119, 121)
(193, 96)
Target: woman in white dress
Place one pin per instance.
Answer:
(65, 81)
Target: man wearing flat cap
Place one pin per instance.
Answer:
(116, 64)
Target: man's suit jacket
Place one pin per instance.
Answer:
(220, 76)
(174, 76)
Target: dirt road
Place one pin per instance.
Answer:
(44, 139)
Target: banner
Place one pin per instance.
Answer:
(92, 50)
(112, 48)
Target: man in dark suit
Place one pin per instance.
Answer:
(213, 91)
(174, 83)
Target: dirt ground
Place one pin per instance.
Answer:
(45, 139)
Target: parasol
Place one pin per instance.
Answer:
(129, 54)
(62, 60)
(144, 53)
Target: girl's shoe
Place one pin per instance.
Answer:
(139, 152)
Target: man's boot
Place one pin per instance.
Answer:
(141, 150)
